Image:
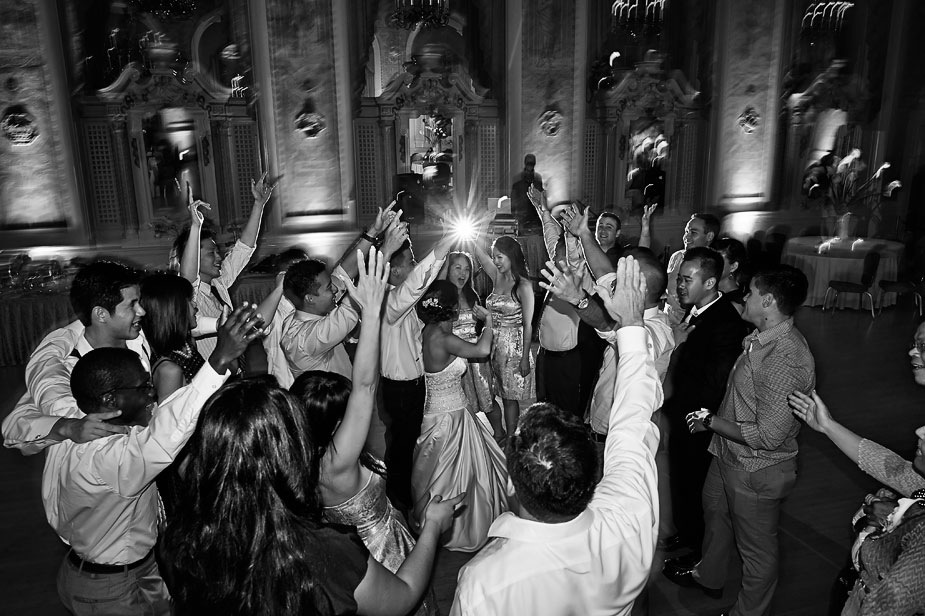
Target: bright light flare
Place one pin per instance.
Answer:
(464, 228)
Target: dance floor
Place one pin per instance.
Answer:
(862, 373)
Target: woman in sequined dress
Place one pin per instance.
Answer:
(455, 453)
(511, 304)
(350, 482)
(476, 381)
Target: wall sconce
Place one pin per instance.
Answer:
(18, 125)
(551, 121)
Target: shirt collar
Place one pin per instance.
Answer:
(308, 316)
(696, 312)
(769, 335)
(511, 526)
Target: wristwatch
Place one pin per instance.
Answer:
(707, 420)
(583, 302)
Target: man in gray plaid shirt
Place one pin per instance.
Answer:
(754, 444)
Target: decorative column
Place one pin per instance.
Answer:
(125, 182)
(612, 154)
(387, 128)
(546, 106)
(745, 114)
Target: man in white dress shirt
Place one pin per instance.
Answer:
(100, 496)
(104, 295)
(402, 366)
(577, 547)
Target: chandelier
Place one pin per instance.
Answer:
(409, 14)
(638, 16)
(825, 15)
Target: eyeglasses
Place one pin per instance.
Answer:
(145, 388)
(918, 346)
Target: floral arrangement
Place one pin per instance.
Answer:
(841, 187)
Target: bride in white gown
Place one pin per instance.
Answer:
(456, 452)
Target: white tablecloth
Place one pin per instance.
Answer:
(823, 261)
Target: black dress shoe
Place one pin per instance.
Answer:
(682, 564)
(687, 580)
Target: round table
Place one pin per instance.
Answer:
(824, 259)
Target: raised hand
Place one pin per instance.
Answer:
(396, 234)
(262, 190)
(695, 421)
(627, 302)
(441, 512)
(196, 216)
(812, 410)
(575, 221)
(241, 328)
(563, 282)
(647, 213)
(537, 197)
(371, 286)
(384, 217)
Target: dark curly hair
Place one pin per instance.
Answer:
(440, 302)
(552, 463)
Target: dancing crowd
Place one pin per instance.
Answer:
(669, 399)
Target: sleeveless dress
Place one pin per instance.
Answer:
(508, 322)
(476, 382)
(381, 528)
(456, 453)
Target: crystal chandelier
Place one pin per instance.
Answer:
(409, 14)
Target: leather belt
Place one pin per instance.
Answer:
(89, 567)
(597, 437)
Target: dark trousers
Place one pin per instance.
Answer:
(591, 348)
(689, 462)
(558, 379)
(403, 403)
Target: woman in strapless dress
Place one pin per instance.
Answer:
(455, 452)
(511, 304)
(477, 381)
(350, 482)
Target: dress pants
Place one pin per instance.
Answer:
(139, 591)
(591, 347)
(559, 379)
(689, 462)
(742, 509)
(403, 403)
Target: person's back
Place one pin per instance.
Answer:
(579, 548)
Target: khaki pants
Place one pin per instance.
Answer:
(742, 511)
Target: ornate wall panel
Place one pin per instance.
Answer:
(102, 180)
(489, 163)
(245, 160)
(591, 184)
(369, 171)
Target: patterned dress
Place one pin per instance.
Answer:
(381, 528)
(476, 382)
(508, 322)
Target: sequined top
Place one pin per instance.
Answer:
(187, 357)
(444, 391)
(505, 310)
(464, 326)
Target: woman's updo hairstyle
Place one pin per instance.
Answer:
(440, 302)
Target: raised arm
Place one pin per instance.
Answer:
(813, 411)
(576, 223)
(484, 258)
(551, 229)
(402, 298)
(563, 281)
(472, 350)
(267, 308)
(385, 217)
(350, 437)
(261, 191)
(527, 301)
(189, 260)
(645, 232)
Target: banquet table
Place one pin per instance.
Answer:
(26, 317)
(824, 259)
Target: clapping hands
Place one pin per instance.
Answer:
(626, 302)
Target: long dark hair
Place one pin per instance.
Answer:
(324, 397)
(166, 323)
(512, 249)
(242, 536)
(467, 290)
(439, 303)
(735, 252)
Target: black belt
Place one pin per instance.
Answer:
(597, 437)
(87, 566)
(558, 353)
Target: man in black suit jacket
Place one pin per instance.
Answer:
(708, 341)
